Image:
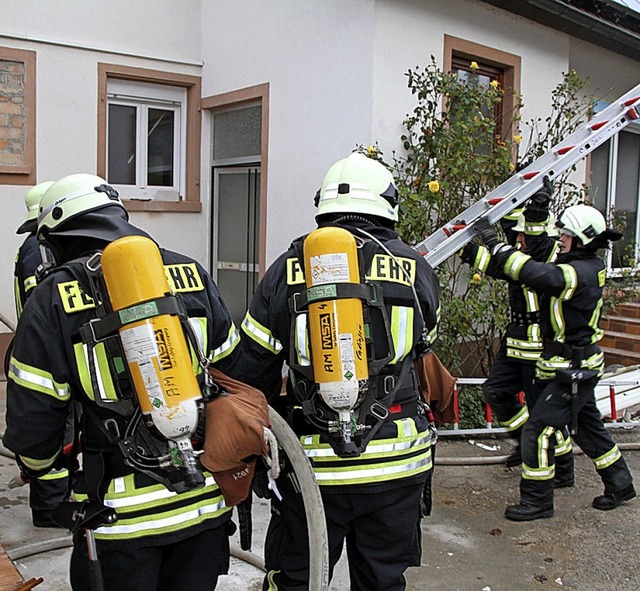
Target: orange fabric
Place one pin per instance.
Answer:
(234, 436)
(436, 387)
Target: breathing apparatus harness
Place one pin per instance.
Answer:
(169, 460)
(349, 428)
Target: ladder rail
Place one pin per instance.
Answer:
(453, 236)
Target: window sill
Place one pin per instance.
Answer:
(168, 206)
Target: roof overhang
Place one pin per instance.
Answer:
(602, 22)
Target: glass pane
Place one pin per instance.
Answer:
(121, 168)
(237, 133)
(238, 216)
(160, 146)
(627, 177)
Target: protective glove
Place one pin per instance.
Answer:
(537, 209)
(487, 232)
(468, 253)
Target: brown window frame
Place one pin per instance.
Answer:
(193, 84)
(26, 173)
(457, 50)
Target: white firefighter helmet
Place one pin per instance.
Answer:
(583, 221)
(358, 184)
(73, 196)
(32, 202)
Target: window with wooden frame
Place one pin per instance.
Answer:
(17, 117)
(149, 137)
(492, 64)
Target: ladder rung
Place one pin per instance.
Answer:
(563, 151)
(597, 126)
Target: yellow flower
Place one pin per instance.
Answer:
(372, 151)
(476, 278)
(512, 166)
(474, 65)
(494, 84)
(434, 186)
(517, 138)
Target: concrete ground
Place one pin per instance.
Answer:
(468, 545)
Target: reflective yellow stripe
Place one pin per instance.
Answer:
(35, 379)
(154, 510)
(55, 475)
(570, 280)
(301, 335)
(104, 381)
(514, 264)
(606, 460)
(34, 464)
(261, 334)
(233, 340)
(384, 459)
(563, 444)
(518, 420)
(29, 283)
(401, 331)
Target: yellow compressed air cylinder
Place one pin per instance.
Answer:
(336, 326)
(155, 345)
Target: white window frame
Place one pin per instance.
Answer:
(144, 96)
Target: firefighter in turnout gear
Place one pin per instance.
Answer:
(168, 533)
(571, 363)
(48, 491)
(328, 309)
(532, 230)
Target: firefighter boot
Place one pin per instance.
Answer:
(611, 500)
(536, 501)
(528, 512)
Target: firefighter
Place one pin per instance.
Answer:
(50, 490)
(513, 370)
(166, 535)
(571, 363)
(371, 456)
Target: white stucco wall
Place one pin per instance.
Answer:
(336, 70)
(317, 56)
(117, 31)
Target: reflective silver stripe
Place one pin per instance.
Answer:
(120, 487)
(371, 474)
(228, 346)
(401, 331)
(35, 379)
(543, 446)
(571, 281)
(261, 334)
(607, 459)
(99, 380)
(546, 473)
(198, 326)
(518, 420)
(372, 450)
(302, 341)
(156, 524)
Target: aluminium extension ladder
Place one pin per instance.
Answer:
(450, 238)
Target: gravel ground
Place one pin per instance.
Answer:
(468, 545)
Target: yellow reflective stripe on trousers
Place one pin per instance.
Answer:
(55, 474)
(34, 464)
(155, 510)
(401, 331)
(606, 460)
(384, 459)
(261, 334)
(104, 381)
(35, 379)
(563, 444)
(233, 340)
(543, 471)
(518, 420)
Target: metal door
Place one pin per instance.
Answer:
(236, 235)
